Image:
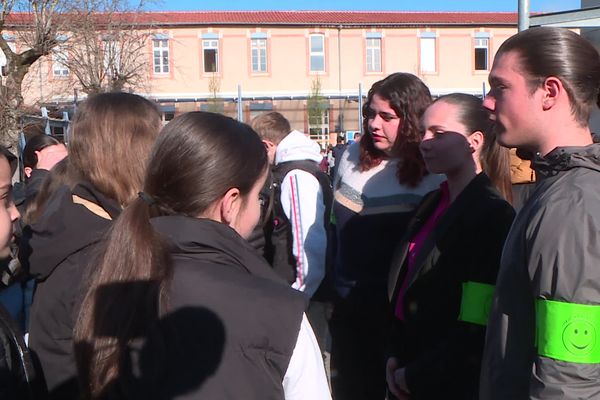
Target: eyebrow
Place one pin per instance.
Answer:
(494, 80)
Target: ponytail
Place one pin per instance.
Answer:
(125, 291)
(495, 161)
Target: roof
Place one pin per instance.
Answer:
(314, 18)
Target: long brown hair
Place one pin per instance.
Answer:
(495, 159)
(110, 139)
(197, 158)
(408, 97)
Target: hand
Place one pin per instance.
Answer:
(400, 378)
(49, 156)
(396, 379)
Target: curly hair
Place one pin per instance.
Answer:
(408, 97)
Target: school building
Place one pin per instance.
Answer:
(295, 62)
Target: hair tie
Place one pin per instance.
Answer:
(146, 198)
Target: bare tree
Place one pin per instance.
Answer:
(35, 24)
(107, 46)
(104, 44)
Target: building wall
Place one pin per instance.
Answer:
(288, 76)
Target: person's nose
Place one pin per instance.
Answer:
(489, 101)
(375, 123)
(14, 212)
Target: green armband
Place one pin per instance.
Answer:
(476, 302)
(568, 331)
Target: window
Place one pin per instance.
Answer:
(210, 49)
(319, 126)
(317, 53)
(257, 109)
(481, 54)
(160, 51)
(112, 57)
(167, 113)
(428, 52)
(259, 54)
(60, 62)
(3, 61)
(373, 54)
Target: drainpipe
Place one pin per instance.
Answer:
(340, 101)
(523, 15)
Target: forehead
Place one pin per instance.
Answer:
(507, 66)
(379, 101)
(441, 112)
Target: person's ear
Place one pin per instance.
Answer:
(230, 206)
(553, 89)
(28, 171)
(476, 140)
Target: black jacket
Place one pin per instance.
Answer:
(230, 326)
(442, 355)
(58, 249)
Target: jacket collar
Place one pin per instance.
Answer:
(566, 158)
(198, 237)
(462, 203)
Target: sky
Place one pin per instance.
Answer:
(364, 5)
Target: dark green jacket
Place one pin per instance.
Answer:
(552, 253)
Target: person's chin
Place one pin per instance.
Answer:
(383, 146)
(503, 138)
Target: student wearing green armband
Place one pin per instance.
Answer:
(444, 270)
(543, 336)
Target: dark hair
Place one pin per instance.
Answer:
(495, 159)
(57, 177)
(111, 138)
(408, 97)
(197, 158)
(271, 126)
(37, 143)
(10, 157)
(549, 51)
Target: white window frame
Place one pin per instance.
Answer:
(59, 62)
(112, 56)
(258, 55)
(316, 54)
(210, 45)
(373, 45)
(160, 56)
(428, 53)
(481, 43)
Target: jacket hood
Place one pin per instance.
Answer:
(64, 229)
(566, 158)
(296, 146)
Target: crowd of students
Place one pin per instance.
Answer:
(214, 260)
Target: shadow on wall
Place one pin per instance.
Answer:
(174, 357)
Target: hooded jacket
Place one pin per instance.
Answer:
(551, 256)
(58, 249)
(303, 204)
